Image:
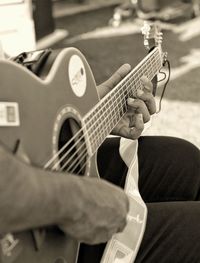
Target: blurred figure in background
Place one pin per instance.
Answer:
(156, 10)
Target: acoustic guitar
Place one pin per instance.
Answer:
(60, 122)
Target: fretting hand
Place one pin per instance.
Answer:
(139, 109)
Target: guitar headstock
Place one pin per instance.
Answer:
(153, 38)
(152, 35)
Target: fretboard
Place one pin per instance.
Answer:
(101, 120)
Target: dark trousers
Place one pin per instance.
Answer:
(169, 183)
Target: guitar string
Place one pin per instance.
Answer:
(97, 142)
(84, 154)
(76, 160)
(79, 161)
(121, 87)
(114, 101)
(106, 105)
(74, 154)
(137, 80)
(98, 128)
(71, 140)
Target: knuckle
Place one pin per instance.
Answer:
(140, 103)
(139, 127)
(149, 98)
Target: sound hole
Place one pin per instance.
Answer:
(73, 156)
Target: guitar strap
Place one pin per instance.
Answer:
(123, 247)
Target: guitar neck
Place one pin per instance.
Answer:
(101, 120)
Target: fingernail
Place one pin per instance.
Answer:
(144, 78)
(130, 101)
(128, 66)
(140, 92)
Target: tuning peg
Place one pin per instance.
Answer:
(146, 29)
(152, 34)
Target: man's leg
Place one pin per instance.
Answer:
(172, 233)
(169, 169)
(170, 184)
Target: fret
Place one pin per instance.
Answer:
(110, 110)
(126, 95)
(122, 108)
(94, 119)
(97, 131)
(123, 100)
(128, 86)
(117, 116)
(102, 124)
(151, 67)
(116, 110)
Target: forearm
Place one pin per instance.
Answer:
(31, 197)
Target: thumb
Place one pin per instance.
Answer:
(109, 84)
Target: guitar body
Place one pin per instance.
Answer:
(48, 109)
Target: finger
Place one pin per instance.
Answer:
(133, 132)
(139, 123)
(136, 131)
(148, 99)
(114, 79)
(131, 118)
(147, 84)
(138, 106)
(118, 75)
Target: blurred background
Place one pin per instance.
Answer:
(108, 33)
